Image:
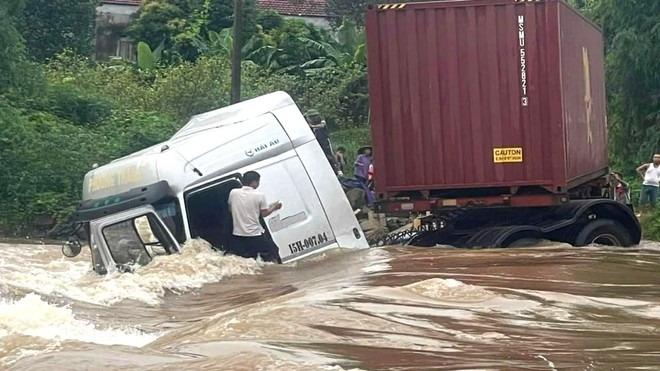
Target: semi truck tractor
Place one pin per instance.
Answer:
(150, 202)
(488, 119)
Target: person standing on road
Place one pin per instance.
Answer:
(650, 174)
(247, 205)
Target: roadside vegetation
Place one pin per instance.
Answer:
(61, 111)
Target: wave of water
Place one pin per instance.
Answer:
(32, 316)
(397, 308)
(195, 266)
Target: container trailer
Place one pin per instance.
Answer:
(489, 118)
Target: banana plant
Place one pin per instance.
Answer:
(221, 44)
(147, 59)
(346, 47)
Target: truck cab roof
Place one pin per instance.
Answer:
(183, 160)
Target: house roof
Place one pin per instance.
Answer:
(122, 2)
(309, 8)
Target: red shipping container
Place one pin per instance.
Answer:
(485, 94)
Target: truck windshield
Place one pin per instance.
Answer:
(135, 241)
(169, 211)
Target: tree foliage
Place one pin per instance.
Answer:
(11, 44)
(352, 10)
(45, 157)
(632, 46)
(633, 62)
(345, 48)
(177, 23)
(88, 112)
(51, 26)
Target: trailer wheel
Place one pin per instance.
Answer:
(604, 232)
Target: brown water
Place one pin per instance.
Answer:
(543, 308)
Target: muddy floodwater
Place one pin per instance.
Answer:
(551, 307)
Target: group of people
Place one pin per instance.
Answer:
(363, 168)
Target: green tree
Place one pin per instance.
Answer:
(345, 48)
(178, 23)
(269, 20)
(11, 44)
(352, 10)
(290, 39)
(221, 15)
(51, 26)
(632, 46)
(157, 22)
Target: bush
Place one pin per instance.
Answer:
(269, 20)
(93, 113)
(339, 94)
(179, 91)
(650, 222)
(70, 102)
(191, 88)
(44, 159)
(129, 131)
(42, 164)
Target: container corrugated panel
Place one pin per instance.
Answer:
(485, 94)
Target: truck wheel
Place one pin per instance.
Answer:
(604, 232)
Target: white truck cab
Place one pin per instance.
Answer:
(152, 201)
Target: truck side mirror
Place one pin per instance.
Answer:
(71, 248)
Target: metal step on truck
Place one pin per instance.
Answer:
(150, 202)
(488, 119)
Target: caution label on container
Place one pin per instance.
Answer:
(502, 155)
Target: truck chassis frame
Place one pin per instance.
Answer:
(489, 225)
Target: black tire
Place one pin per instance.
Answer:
(424, 239)
(604, 232)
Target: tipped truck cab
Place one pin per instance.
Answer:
(150, 202)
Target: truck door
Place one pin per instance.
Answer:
(301, 226)
(134, 237)
(261, 144)
(208, 212)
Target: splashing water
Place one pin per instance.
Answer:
(32, 316)
(195, 266)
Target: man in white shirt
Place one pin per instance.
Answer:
(650, 174)
(247, 205)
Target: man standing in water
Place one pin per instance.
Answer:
(247, 205)
(650, 174)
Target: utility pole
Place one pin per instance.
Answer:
(235, 96)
